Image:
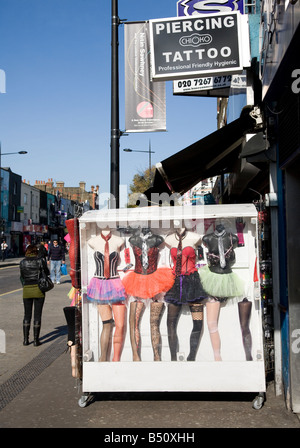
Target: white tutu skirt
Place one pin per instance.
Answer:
(104, 291)
(221, 285)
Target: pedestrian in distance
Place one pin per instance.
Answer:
(4, 248)
(33, 297)
(42, 250)
(56, 256)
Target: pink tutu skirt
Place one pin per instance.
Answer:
(106, 291)
(148, 286)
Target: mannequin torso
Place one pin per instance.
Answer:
(145, 249)
(189, 239)
(152, 241)
(105, 287)
(98, 243)
(189, 242)
(115, 244)
(229, 242)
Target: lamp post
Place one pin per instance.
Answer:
(115, 131)
(137, 150)
(5, 154)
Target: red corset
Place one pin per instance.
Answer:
(152, 260)
(188, 260)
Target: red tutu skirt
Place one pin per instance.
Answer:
(149, 285)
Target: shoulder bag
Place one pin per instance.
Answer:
(44, 282)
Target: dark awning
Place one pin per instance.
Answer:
(257, 150)
(256, 144)
(213, 155)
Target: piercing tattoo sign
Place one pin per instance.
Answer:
(209, 44)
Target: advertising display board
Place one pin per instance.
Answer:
(170, 300)
(199, 45)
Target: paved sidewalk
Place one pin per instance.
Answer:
(38, 391)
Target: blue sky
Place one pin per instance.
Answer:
(56, 55)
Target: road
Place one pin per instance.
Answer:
(9, 279)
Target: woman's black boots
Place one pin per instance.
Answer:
(26, 328)
(36, 333)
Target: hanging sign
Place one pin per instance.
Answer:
(212, 86)
(193, 7)
(201, 45)
(215, 86)
(206, 83)
(145, 103)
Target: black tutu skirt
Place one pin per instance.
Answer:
(186, 289)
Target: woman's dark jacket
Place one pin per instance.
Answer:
(30, 269)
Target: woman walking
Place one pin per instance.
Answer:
(33, 297)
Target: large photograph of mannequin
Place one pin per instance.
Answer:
(106, 290)
(173, 291)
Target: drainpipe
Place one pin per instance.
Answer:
(272, 202)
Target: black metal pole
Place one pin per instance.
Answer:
(115, 131)
(0, 189)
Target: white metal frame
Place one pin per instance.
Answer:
(233, 373)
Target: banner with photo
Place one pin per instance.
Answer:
(145, 100)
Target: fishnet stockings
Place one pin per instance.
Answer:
(136, 311)
(156, 312)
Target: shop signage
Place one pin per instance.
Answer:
(193, 7)
(213, 86)
(206, 83)
(201, 86)
(201, 45)
(35, 228)
(43, 213)
(28, 228)
(16, 226)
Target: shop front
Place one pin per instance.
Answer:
(34, 234)
(16, 238)
(280, 88)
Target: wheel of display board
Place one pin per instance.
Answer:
(258, 401)
(82, 402)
